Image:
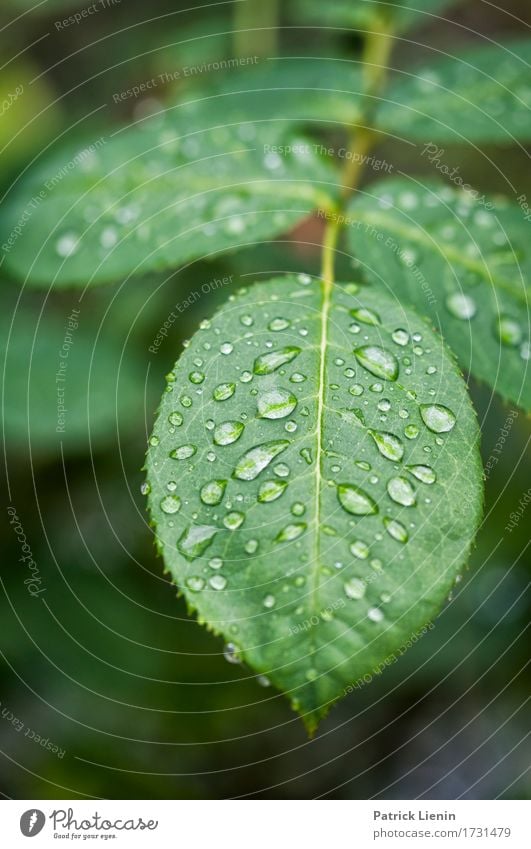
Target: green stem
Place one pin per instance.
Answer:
(375, 60)
(256, 28)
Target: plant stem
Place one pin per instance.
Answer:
(375, 59)
(256, 28)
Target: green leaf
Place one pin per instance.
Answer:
(301, 89)
(463, 261)
(483, 95)
(64, 386)
(401, 14)
(324, 533)
(160, 194)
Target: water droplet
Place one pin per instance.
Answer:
(196, 377)
(290, 532)
(217, 582)
(195, 583)
(278, 324)
(257, 459)
(306, 455)
(251, 546)
(170, 504)
(508, 331)
(396, 530)
(298, 509)
(247, 320)
(215, 563)
(411, 431)
(183, 452)
(231, 653)
(145, 488)
(356, 389)
(276, 404)
(186, 401)
(366, 316)
(354, 589)
(269, 601)
(297, 377)
(226, 348)
(425, 474)
(271, 490)
(212, 492)
(227, 433)
(175, 419)
(233, 520)
(154, 441)
(377, 361)
(401, 491)
(67, 244)
(388, 445)
(355, 500)
(281, 470)
(359, 549)
(375, 614)
(224, 391)
(461, 306)
(401, 337)
(384, 405)
(195, 540)
(437, 418)
(268, 363)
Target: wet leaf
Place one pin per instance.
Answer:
(347, 513)
(461, 260)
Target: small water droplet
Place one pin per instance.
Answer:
(306, 455)
(354, 589)
(375, 614)
(251, 546)
(67, 244)
(270, 490)
(277, 324)
(183, 452)
(224, 391)
(195, 540)
(215, 563)
(170, 504)
(217, 582)
(257, 459)
(269, 601)
(231, 653)
(377, 361)
(247, 320)
(411, 431)
(359, 549)
(396, 530)
(281, 470)
(356, 389)
(388, 445)
(366, 316)
(437, 418)
(354, 500)
(196, 377)
(276, 404)
(175, 419)
(268, 363)
(212, 492)
(226, 348)
(298, 509)
(400, 337)
(228, 432)
(297, 377)
(401, 491)
(195, 583)
(425, 474)
(290, 532)
(461, 306)
(145, 488)
(508, 331)
(233, 520)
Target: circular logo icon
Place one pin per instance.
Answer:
(31, 822)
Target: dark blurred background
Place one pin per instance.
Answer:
(107, 687)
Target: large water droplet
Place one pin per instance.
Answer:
(355, 500)
(388, 445)
(366, 316)
(396, 530)
(212, 492)
(170, 504)
(227, 433)
(437, 418)
(183, 452)
(461, 306)
(276, 404)
(195, 540)
(378, 361)
(224, 391)
(271, 490)
(257, 459)
(290, 532)
(401, 491)
(268, 363)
